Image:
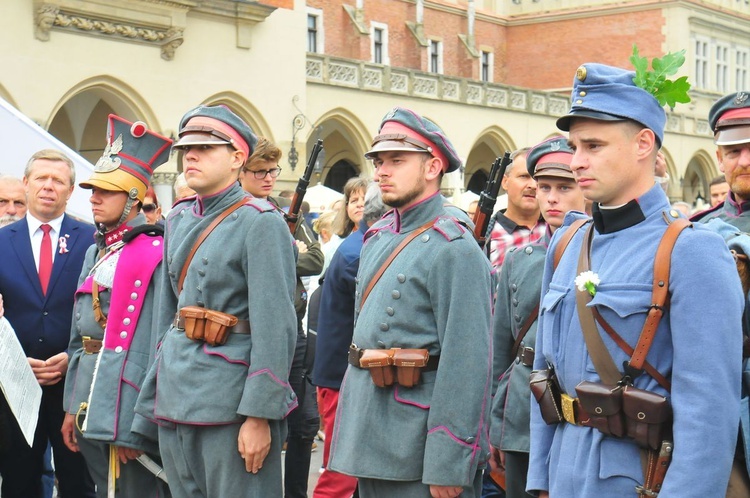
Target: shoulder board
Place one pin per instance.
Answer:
(702, 214)
(261, 205)
(449, 227)
(189, 198)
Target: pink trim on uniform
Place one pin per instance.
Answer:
(408, 402)
(225, 357)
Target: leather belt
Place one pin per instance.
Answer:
(355, 354)
(572, 411)
(525, 356)
(91, 346)
(242, 327)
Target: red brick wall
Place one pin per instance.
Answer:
(343, 40)
(540, 55)
(282, 4)
(546, 55)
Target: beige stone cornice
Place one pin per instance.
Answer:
(160, 23)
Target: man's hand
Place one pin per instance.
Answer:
(543, 494)
(254, 443)
(445, 491)
(2, 310)
(125, 454)
(50, 372)
(69, 432)
(301, 246)
(497, 459)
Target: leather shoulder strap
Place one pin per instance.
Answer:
(600, 357)
(416, 233)
(660, 291)
(565, 240)
(525, 329)
(210, 228)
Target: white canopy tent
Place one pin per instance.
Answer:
(321, 197)
(20, 138)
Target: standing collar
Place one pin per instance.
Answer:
(731, 205)
(419, 214)
(632, 213)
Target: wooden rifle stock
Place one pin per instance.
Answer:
(488, 197)
(292, 216)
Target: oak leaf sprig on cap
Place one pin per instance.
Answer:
(667, 92)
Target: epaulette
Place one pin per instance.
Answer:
(150, 230)
(449, 227)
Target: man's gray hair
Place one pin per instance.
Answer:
(51, 155)
(513, 155)
(374, 207)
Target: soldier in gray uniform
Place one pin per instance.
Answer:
(414, 403)
(219, 387)
(516, 311)
(729, 118)
(113, 334)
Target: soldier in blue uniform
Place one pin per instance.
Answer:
(219, 386)
(615, 130)
(729, 119)
(403, 435)
(517, 308)
(114, 334)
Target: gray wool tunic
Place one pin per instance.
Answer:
(436, 296)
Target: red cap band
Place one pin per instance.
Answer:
(237, 141)
(395, 127)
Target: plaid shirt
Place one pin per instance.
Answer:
(506, 233)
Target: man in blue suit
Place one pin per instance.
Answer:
(42, 255)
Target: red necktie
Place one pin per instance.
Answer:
(45, 258)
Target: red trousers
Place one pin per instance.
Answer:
(331, 484)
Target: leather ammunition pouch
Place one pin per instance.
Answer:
(546, 391)
(201, 324)
(91, 346)
(379, 362)
(388, 366)
(648, 417)
(408, 364)
(603, 406)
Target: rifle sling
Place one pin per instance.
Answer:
(210, 228)
(413, 235)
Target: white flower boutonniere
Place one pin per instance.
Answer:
(587, 281)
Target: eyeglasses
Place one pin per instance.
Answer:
(261, 173)
(149, 208)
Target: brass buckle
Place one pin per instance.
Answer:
(568, 408)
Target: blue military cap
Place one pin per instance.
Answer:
(608, 93)
(550, 158)
(729, 118)
(403, 129)
(212, 125)
(129, 159)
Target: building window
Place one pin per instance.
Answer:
(722, 68)
(486, 71)
(701, 63)
(314, 30)
(379, 45)
(436, 56)
(741, 60)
